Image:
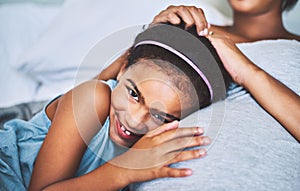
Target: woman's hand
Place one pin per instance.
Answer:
(235, 62)
(277, 99)
(151, 156)
(190, 15)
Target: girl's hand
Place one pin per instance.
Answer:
(151, 156)
(190, 15)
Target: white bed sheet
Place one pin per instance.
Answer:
(52, 41)
(21, 25)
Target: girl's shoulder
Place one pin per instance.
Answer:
(92, 95)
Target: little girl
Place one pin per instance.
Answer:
(107, 135)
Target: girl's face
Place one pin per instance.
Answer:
(143, 100)
(255, 6)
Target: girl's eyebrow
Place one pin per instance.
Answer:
(172, 117)
(136, 88)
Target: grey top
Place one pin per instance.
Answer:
(250, 149)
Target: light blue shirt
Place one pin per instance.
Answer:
(20, 142)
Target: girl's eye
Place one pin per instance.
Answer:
(133, 95)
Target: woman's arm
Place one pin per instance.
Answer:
(277, 99)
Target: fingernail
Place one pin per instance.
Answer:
(206, 141)
(201, 33)
(208, 25)
(188, 172)
(205, 31)
(202, 152)
(199, 130)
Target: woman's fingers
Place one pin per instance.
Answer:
(167, 15)
(186, 15)
(200, 21)
(190, 15)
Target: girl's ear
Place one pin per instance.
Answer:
(121, 72)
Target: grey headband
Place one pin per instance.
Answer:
(192, 50)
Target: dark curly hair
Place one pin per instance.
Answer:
(182, 76)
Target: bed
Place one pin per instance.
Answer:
(44, 47)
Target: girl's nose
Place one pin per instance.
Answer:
(137, 119)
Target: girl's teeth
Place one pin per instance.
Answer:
(124, 130)
(127, 133)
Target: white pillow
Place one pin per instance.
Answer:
(80, 26)
(21, 26)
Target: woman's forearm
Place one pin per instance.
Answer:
(277, 99)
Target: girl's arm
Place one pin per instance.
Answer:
(149, 158)
(277, 99)
(78, 115)
(112, 70)
(77, 118)
(191, 15)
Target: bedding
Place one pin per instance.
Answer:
(251, 151)
(44, 43)
(20, 111)
(22, 24)
(57, 34)
(42, 61)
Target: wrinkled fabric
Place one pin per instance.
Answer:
(20, 142)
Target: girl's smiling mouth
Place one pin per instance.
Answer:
(126, 134)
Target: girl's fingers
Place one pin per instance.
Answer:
(184, 142)
(162, 136)
(179, 157)
(185, 155)
(174, 172)
(163, 128)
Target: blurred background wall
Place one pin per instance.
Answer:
(291, 19)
